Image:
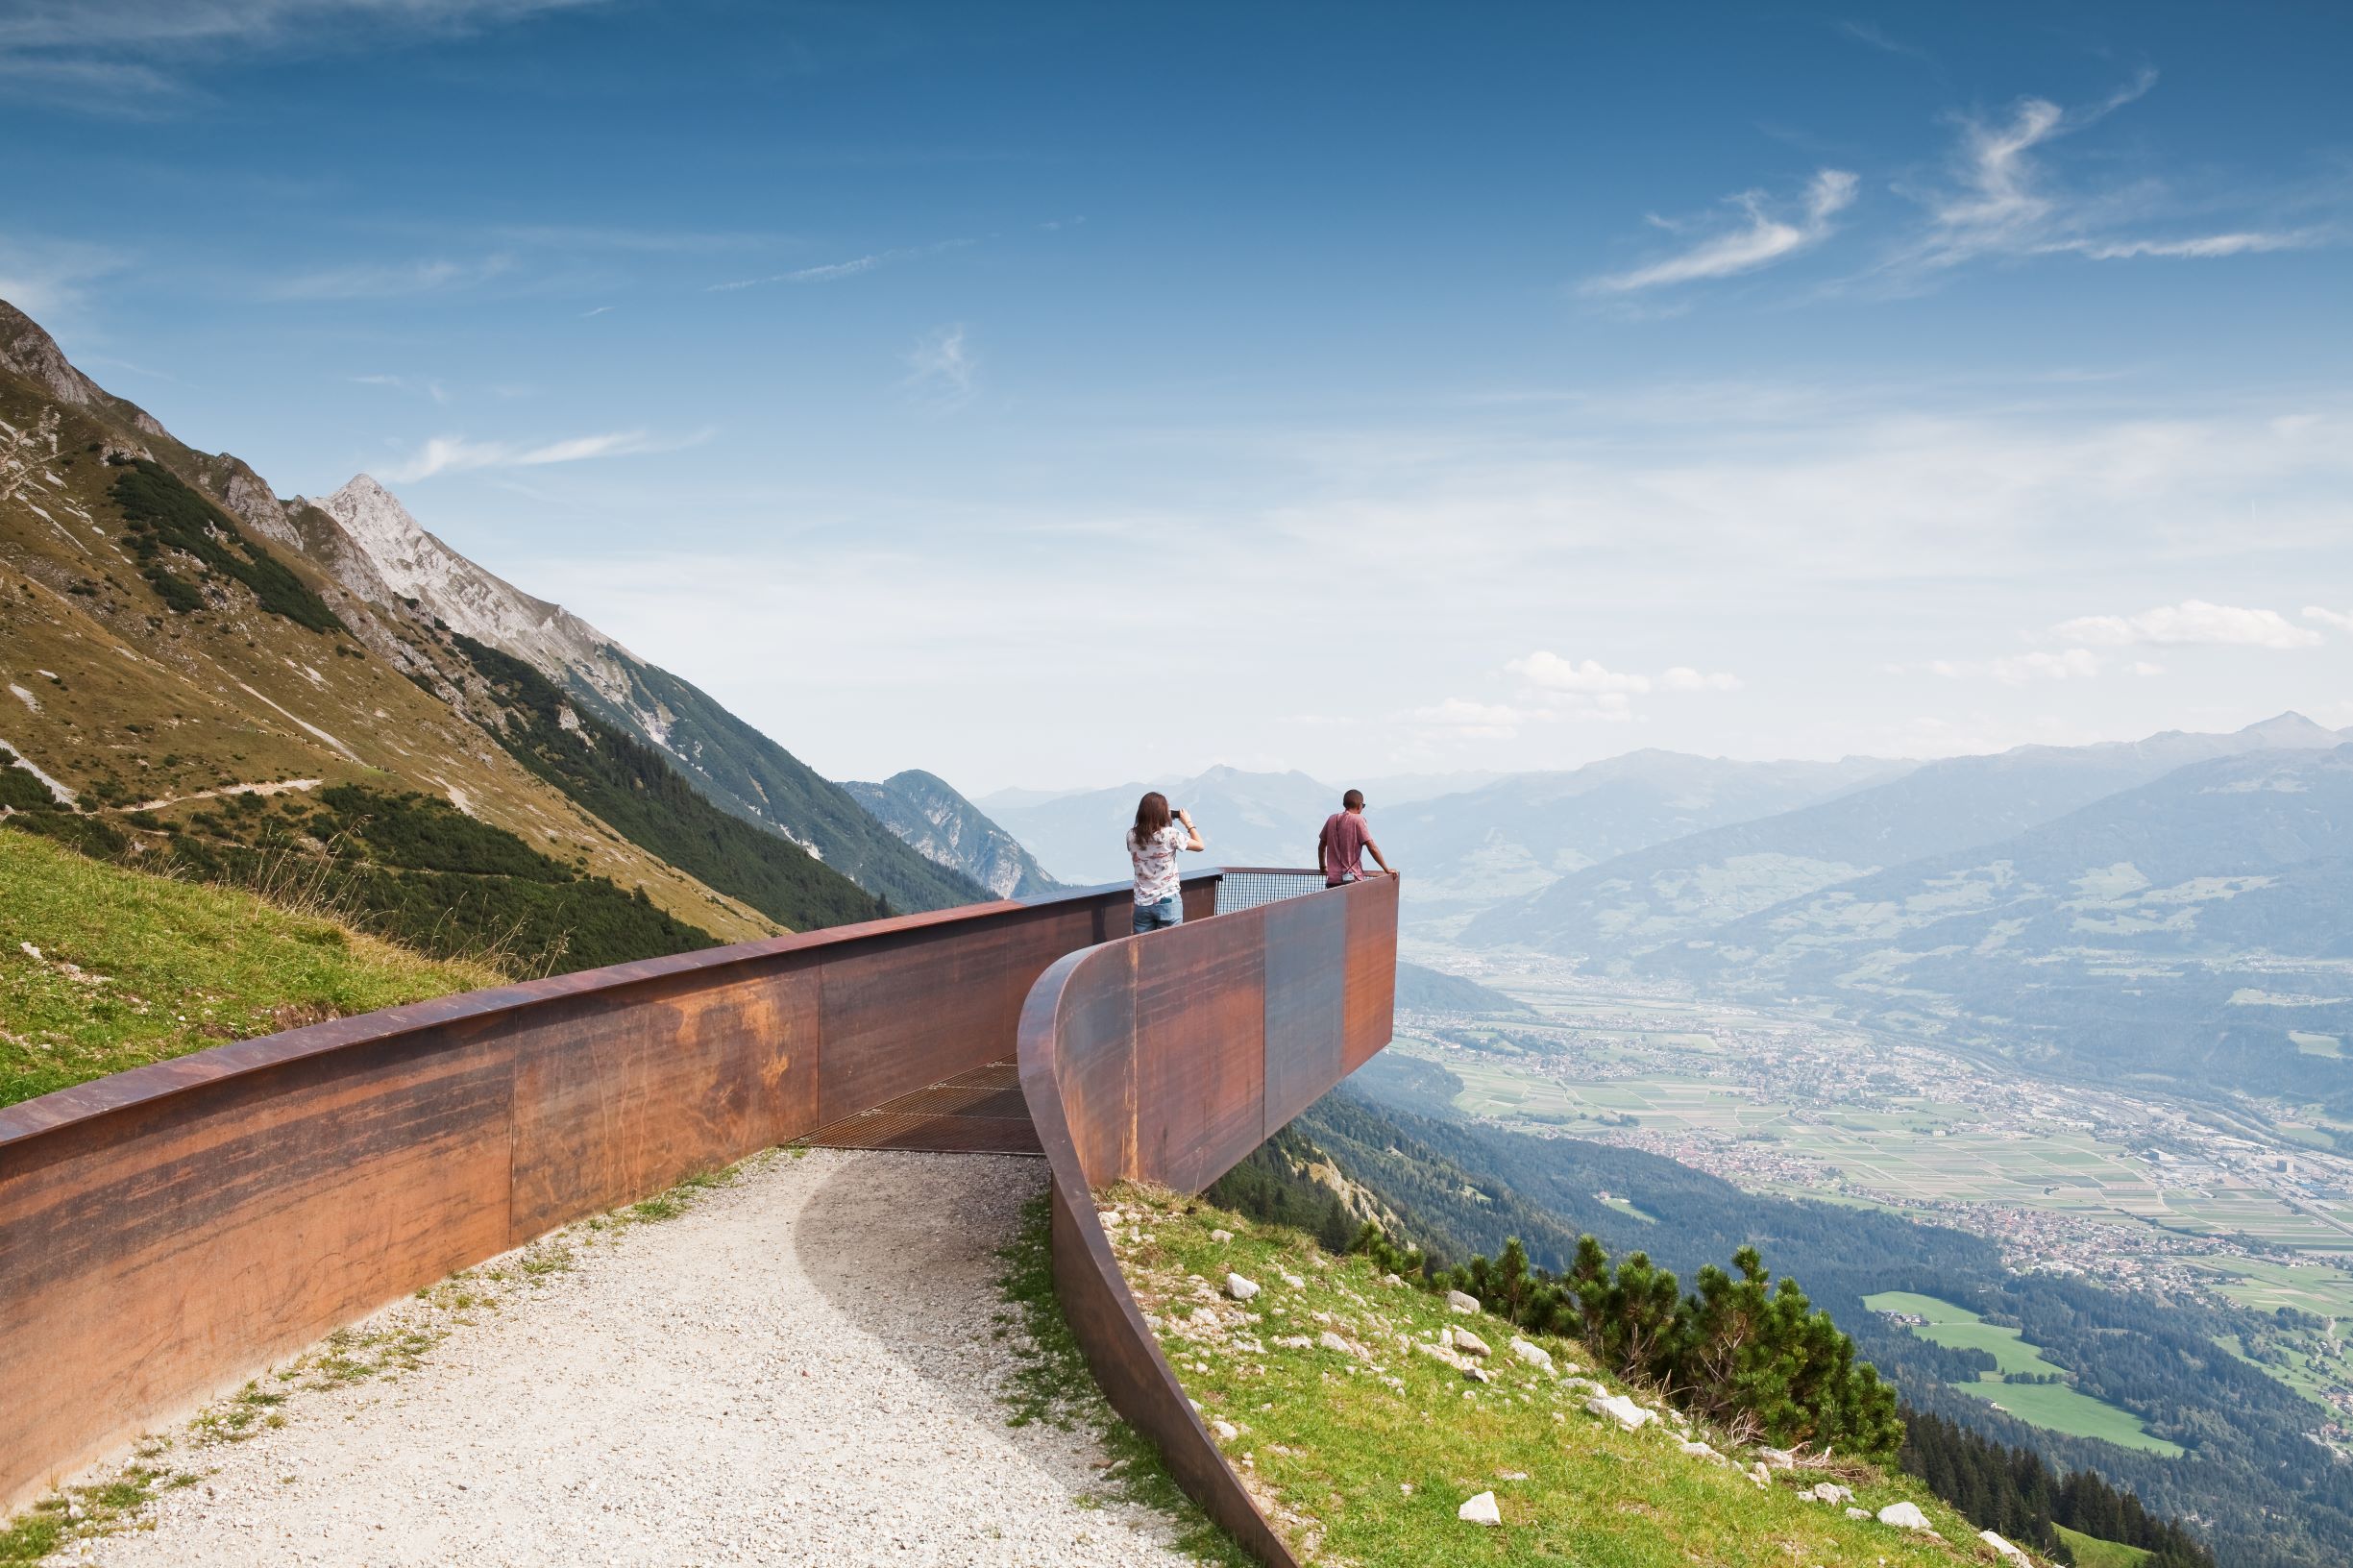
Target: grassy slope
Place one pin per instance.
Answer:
(2091, 1552)
(1331, 1442)
(184, 966)
(2061, 1407)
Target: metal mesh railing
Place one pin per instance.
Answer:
(1251, 887)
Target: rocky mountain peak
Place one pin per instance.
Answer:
(27, 349)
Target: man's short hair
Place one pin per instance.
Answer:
(1353, 800)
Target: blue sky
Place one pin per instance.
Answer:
(1067, 395)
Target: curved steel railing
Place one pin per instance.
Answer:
(167, 1231)
(1168, 1059)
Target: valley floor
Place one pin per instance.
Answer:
(804, 1367)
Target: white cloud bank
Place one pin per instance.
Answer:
(2192, 622)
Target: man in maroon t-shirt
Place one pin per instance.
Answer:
(1339, 848)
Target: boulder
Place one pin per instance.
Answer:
(1333, 1342)
(1457, 1302)
(1780, 1458)
(1620, 1409)
(1470, 1344)
(1904, 1517)
(1481, 1511)
(1829, 1492)
(1239, 1289)
(1533, 1355)
(2001, 1546)
(1226, 1431)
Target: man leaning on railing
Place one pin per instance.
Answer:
(1347, 837)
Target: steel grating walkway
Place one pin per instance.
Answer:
(980, 1112)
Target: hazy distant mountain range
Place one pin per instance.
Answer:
(1687, 885)
(2194, 927)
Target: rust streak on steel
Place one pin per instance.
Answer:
(167, 1231)
(1168, 1057)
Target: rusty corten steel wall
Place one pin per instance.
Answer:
(167, 1231)
(1168, 1057)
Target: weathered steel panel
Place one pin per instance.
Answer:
(614, 1102)
(156, 1259)
(908, 1012)
(1200, 1048)
(1372, 968)
(1098, 1087)
(1168, 1057)
(1306, 974)
(164, 1232)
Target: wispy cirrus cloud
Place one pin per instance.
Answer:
(2192, 621)
(2021, 669)
(390, 281)
(1765, 234)
(136, 56)
(943, 365)
(2003, 198)
(829, 272)
(457, 454)
(45, 278)
(429, 386)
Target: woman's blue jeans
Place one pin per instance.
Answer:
(1168, 911)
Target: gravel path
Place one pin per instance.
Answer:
(801, 1369)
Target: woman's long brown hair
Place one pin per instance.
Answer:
(1151, 815)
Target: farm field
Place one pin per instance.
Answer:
(2058, 1406)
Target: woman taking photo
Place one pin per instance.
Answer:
(1152, 847)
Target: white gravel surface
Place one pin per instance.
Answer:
(801, 1369)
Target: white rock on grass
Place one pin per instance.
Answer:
(1700, 1451)
(1226, 1431)
(1333, 1342)
(2001, 1546)
(1457, 1302)
(1294, 1282)
(1828, 1492)
(1620, 1409)
(1758, 1474)
(1780, 1458)
(1904, 1517)
(1584, 1386)
(1239, 1289)
(1858, 1513)
(1481, 1511)
(1470, 1344)
(1221, 1236)
(1533, 1354)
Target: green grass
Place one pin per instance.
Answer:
(2056, 1406)
(2091, 1552)
(134, 967)
(1368, 1458)
(1054, 1386)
